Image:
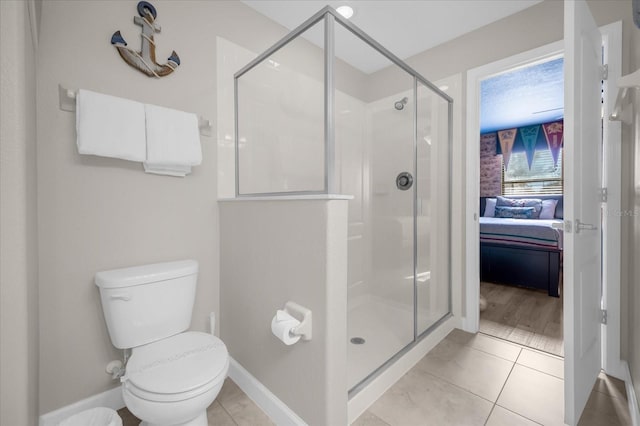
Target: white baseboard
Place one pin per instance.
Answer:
(277, 410)
(110, 399)
(469, 325)
(631, 395)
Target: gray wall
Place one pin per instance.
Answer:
(100, 213)
(18, 238)
(273, 252)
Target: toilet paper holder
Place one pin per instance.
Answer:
(303, 315)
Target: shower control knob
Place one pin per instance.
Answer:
(404, 181)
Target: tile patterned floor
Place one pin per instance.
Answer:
(232, 407)
(466, 380)
(480, 380)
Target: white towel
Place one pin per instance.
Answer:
(173, 141)
(169, 169)
(110, 127)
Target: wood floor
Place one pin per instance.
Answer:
(523, 316)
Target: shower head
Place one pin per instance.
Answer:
(399, 105)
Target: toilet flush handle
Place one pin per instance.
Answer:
(121, 296)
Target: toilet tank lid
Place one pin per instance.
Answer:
(136, 275)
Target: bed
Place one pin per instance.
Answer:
(522, 252)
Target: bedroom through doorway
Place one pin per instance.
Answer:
(521, 204)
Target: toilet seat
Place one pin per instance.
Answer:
(176, 368)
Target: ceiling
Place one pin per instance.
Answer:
(404, 27)
(531, 95)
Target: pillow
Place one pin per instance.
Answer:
(548, 209)
(536, 203)
(515, 212)
(490, 208)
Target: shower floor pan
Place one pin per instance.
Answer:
(386, 327)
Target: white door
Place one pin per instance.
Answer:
(583, 170)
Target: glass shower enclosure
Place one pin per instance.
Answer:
(328, 110)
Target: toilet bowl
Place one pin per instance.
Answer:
(174, 380)
(172, 375)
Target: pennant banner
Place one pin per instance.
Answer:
(529, 136)
(506, 137)
(554, 133)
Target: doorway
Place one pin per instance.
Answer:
(521, 204)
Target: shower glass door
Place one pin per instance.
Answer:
(433, 297)
(375, 152)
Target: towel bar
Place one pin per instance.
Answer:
(67, 98)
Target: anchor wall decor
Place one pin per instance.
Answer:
(145, 59)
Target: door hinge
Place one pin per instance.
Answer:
(603, 316)
(604, 71)
(604, 195)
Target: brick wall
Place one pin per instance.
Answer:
(490, 166)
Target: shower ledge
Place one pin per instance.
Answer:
(289, 197)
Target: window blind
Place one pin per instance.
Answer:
(542, 178)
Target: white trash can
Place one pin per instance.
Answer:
(94, 417)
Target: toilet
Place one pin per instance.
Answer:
(172, 375)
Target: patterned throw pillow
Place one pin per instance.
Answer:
(536, 203)
(515, 212)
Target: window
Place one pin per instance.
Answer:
(543, 178)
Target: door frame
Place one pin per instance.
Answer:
(612, 39)
(471, 320)
(612, 136)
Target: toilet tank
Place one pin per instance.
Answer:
(147, 303)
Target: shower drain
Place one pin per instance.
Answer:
(357, 340)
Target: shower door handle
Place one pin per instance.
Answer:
(404, 181)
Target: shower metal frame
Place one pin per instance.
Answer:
(330, 16)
